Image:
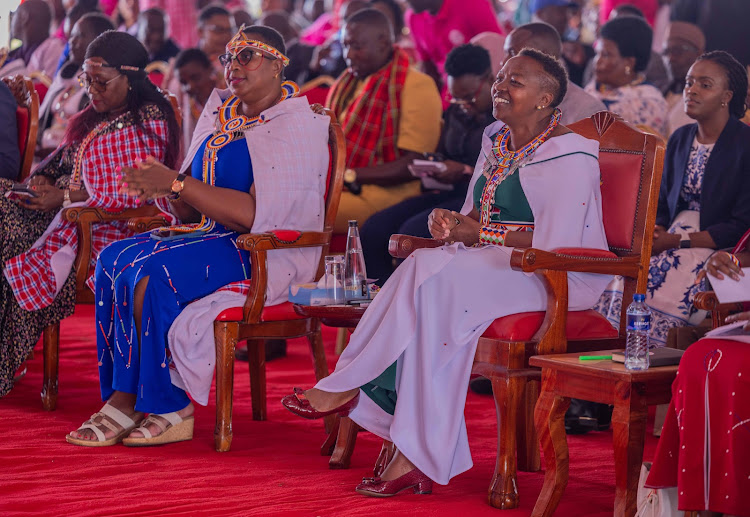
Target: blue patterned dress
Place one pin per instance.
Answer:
(179, 270)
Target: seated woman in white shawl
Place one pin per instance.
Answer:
(258, 160)
(538, 184)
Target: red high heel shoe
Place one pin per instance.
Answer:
(301, 406)
(376, 487)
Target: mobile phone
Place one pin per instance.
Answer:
(23, 190)
(433, 157)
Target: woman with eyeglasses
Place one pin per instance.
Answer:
(127, 119)
(258, 162)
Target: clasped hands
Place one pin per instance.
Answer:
(450, 226)
(149, 179)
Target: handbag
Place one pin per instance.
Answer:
(655, 502)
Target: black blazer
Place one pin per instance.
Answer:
(725, 194)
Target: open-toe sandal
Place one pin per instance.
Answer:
(177, 429)
(111, 418)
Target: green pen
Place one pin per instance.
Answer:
(594, 357)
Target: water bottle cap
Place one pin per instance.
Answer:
(638, 297)
(352, 222)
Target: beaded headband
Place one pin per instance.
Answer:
(241, 41)
(129, 68)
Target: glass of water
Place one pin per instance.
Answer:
(334, 279)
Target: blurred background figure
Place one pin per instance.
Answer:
(39, 50)
(215, 27)
(299, 54)
(197, 78)
(685, 42)
(127, 16)
(183, 17)
(153, 32)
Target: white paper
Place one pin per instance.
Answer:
(729, 290)
(732, 329)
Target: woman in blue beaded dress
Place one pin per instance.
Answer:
(258, 159)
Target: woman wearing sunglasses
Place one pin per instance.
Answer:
(258, 161)
(127, 118)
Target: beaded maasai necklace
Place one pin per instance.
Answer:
(507, 162)
(102, 127)
(230, 125)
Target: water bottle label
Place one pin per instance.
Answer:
(640, 322)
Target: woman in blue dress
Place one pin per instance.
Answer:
(232, 182)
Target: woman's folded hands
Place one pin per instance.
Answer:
(451, 227)
(149, 179)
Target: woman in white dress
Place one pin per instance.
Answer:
(405, 372)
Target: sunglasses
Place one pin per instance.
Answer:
(86, 81)
(248, 58)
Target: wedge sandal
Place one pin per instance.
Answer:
(177, 429)
(110, 418)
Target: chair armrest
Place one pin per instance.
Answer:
(84, 217)
(282, 239)
(258, 244)
(401, 246)
(144, 224)
(708, 301)
(579, 260)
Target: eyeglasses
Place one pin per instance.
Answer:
(250, 59)
(87, 82)
(218, 29)
(468, 102)
(678, 50)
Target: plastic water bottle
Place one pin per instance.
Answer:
(355, 274)
(639, 324)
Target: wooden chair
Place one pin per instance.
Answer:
(158, 71)
(256, 322)
(27, 119)
(139, 220)
(316, 90)
(631, 164)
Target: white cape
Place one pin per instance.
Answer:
(430, 314)
(289, 155)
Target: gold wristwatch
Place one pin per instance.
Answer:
(350, 176)
(66, 198)
(177, 185)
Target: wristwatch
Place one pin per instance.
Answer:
(350, 176)
(685, 243)
(66, 198)
(177, 185)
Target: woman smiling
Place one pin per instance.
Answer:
(258, 161)
(405, 371)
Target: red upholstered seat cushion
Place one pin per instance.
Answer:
(280, 312)
(522, 326)
(22, 121)
(317, 95)
(41, 91)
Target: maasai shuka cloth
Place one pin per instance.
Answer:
(370, 120)
(37, 275)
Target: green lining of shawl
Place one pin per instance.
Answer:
(382, 389)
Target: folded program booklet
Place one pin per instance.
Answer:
(663, 356)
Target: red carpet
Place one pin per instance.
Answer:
(274, 467)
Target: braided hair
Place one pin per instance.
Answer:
(736, 79)
(121, 49)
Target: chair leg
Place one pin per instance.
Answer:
(321, 366)
(225, 338)
(503, 492)
(529, 459)
(51, 343)
(256, 355)
(330, 443)
(345, 442)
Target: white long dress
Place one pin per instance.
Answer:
(430, 314)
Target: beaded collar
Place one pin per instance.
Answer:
(506, 162)
(230, 125)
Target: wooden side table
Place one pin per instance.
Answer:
(564, 376)
(341, 440)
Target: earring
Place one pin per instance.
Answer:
(723, 104)
(540, 107)
(130, 88)
(627, 69)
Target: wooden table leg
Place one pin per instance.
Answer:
(347, 438)
(549, 417)
(629, 435)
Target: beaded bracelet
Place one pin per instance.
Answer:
(492, 235)
(734, 259)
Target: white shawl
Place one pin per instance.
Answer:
(289, 155)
